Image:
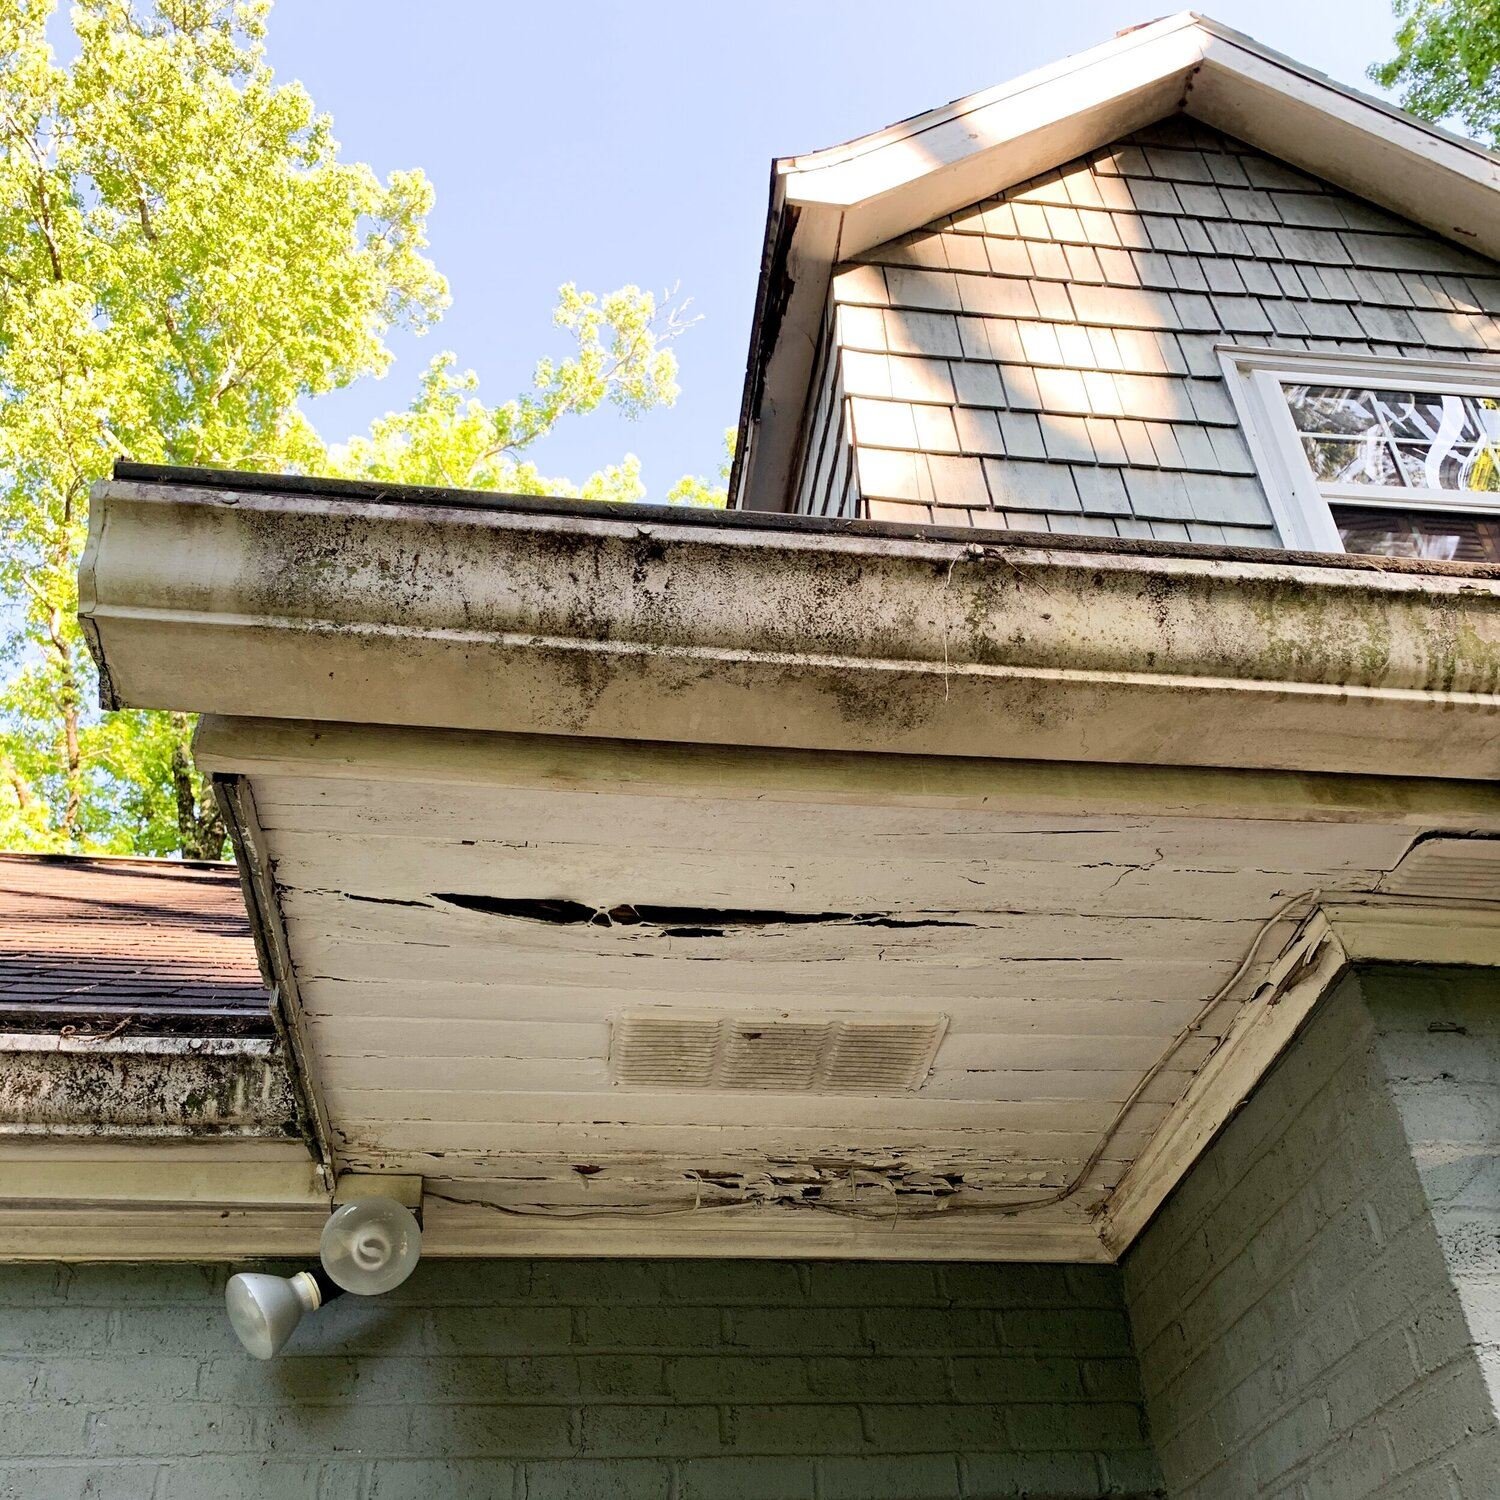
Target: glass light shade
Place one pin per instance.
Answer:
(370, 1246)
(264, 1310)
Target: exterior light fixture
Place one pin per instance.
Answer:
(264, 1311)
(370, 1246)
(367, 1247)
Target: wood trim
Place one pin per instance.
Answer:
(366, 752)
(1300, 506)
(1265, 1026)
(237, 803)
(459, 1229)
(1417, 932)
(94, 1184)
(174, 1233)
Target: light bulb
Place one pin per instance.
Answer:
(264, 1311)
(370, 1246)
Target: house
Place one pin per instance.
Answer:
(972, 972)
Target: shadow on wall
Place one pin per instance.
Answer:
(572, 1378)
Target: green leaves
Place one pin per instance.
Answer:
(1447, 62)
(448, 436)
(183, 259)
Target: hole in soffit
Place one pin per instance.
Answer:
(676, 921)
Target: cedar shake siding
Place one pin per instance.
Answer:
(1045, 360)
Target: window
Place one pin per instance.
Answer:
(1398, 457)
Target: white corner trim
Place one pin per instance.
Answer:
(1302, 517)
(1262, 1029)
(1333, 939)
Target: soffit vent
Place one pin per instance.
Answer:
(774, 1054)
(1462, 869)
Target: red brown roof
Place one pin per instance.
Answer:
(96, 941)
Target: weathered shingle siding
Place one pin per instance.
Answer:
(825, 465)
(1045, 359)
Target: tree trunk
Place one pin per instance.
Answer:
(200, 830)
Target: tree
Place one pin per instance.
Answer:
(183, 257)
(1447, 62)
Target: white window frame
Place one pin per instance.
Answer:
(1300, 505)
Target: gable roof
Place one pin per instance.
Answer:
(834, 204)
(95, 942)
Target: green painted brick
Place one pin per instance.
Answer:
(23, 1379)
(920, 1477)
(20, 1481)
(652, 1328)
(1006, 1285)
(1076, 1331)
(262, 1478)
(136, 1481)
(746, 1479)
(893, 1328)
(587, 1283)
(500, 1431)
(1096, 1426)
(843, 1283)
(773, 1283)
(1058, 1476)
(520, 1381)
(1010, 1377)
(587, 1377)
(879, 1377)
(744, 1377)
(803, 1329)
(936, 1429)
(614, 1479)
(808, 1428)
(647, 1431)
(498, 1330)
(462, 1479)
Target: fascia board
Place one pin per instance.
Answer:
(1447, 185)
(846, 174)
(896, 180)
(1001, 138)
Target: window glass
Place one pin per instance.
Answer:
(1392, 532)
(1410, 439)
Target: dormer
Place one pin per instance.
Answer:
(1178, 288)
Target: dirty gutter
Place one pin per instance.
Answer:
(262, 596)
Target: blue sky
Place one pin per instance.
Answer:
(606, 143)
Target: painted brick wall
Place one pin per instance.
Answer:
(1440, 1049)
(501, 1379)
(1045, 359)
(1315, 1318)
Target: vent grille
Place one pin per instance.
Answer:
(1459, 868)
(774, 1054)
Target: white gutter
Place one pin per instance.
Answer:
(254, 597)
